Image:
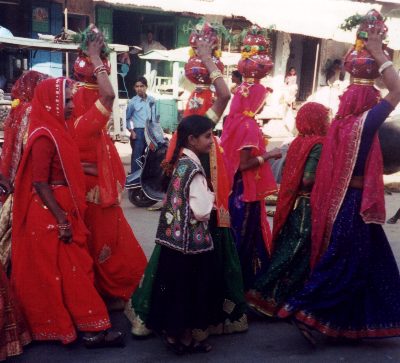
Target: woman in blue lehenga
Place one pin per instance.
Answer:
(354, 289)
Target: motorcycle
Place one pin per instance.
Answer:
(144, 185)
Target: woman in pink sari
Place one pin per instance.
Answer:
(250, 178)
(354, 288)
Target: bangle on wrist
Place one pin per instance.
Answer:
(63, 226)
(260, 160)
(100, 69)
(385, 65)
(214, 75)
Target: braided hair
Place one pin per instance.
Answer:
(194, 125)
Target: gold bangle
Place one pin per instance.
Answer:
(212, 115)
(215, 75)
(260, 160)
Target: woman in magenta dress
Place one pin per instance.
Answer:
(250, 178)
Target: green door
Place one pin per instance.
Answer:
(168, 112)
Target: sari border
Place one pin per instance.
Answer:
(344, 181)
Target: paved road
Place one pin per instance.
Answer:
(266, 341)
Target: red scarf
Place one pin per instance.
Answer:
(336, 167)
(242, 131)
(311, 122)
(47, 119)
(17, 121)
(109, 165)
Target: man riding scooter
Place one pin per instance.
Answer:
(140, 108)
(143, 183)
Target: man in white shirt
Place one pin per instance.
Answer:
(150, 44)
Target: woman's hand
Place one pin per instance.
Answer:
(65, 232)
(204, 49)
(273, 154)
(5, 185)
(95, 46)
(374, 42)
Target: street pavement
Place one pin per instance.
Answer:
(265, 341)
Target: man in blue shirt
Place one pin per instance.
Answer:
(140, 108)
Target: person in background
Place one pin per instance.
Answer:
(150, 44)
(291, 87)
(140, 108)
(236, 79)
(14, 333)
(15, 132)
(395, 218)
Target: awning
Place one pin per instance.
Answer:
(201, 7)
(316, 18)
(182, 55)
(32, 44)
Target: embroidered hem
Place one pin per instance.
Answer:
(139, 328)
(266, 307)
(228, 327)
(326, 329)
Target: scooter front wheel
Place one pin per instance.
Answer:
(138, 198)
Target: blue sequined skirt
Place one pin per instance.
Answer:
(247, 233)
(354, 290)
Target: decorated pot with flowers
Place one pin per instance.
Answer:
(83, 67)
(195, 70)
(255, 61)
(358, 61)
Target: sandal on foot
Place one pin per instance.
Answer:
(175, 347)
(392, 220)
(104, 340)
(305, 333)
(198, 347)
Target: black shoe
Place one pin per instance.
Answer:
(305, 333)
(105, 339)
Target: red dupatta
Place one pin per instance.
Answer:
(336, 167)
(47, 119)
(311, 122)
(241, 131)
(16, 123)
(111, 171)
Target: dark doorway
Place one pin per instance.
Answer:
(310, 46)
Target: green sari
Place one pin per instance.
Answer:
(290, 262)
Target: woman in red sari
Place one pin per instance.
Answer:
(52, 270)
(250, 179)
(15, 128)
(13, 330)
(119, 261)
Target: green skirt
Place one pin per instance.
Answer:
(290, 262)
(233, 309)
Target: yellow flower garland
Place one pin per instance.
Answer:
(15, 103)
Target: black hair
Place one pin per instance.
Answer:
(142, 80)
(194, 125)
(237, 74)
